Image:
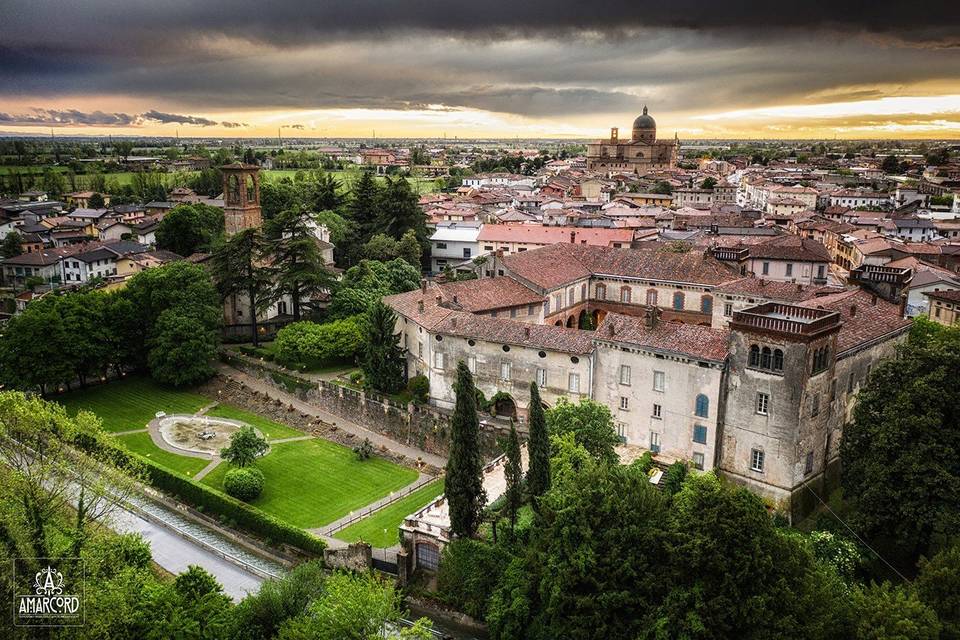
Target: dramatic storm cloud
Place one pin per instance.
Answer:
(569, 67)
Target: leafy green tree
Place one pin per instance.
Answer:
(54, 183)
(32, 349)
(464, 478)
(96, 201)
(513, 474)
(662, 187)
(84, 320)
(708, 183)
(181, 349)
(237, 268)
(190, 228)
(309, 344)
(260, 616)
(11, 246)
(890, 165)
(591, 423)
(380, 247)
(195, 583)
(298, 269)
(538, 447)
(382, 359)
(885, 611)
(901, 452)
(938, 586)
(245, 447)
(326, 192)
(469, 572)
(409, 248)
(399, 210)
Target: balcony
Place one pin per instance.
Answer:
(775, 317)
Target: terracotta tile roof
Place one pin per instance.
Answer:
(408, 305)
(539, 234)
(555, 265)
(872, 318)
(775, 290)
(791, 247)
(514, 332)
(485, 294)
(950, 296)
(699, 342)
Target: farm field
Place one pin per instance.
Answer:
(310, 483)
(380, 529)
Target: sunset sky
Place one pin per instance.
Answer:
(426, 68)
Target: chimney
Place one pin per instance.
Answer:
(874, 300)
(651, 317)
(611, 330)
(420, 306)
(763, 282)
(799, 287)
(573, 237)
(439, 299)
(853, 311)
(526, 332)
(453, 322)
(423, 285)
(454, 298)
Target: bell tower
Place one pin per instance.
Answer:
(241, 197)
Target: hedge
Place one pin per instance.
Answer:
(206, 499)
(309, 344)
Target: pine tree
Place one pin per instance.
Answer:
(513, 473)
(383, 358)
(297, 267)
(365, 206)
(538, 447)
(464, 478)
(237, 270)
(400, 210)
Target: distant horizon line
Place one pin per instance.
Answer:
(10, 134)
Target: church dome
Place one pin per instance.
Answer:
(644, 121)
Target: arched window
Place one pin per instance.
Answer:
(678, 301)
(706, 304)
(754, 355)
(777, 360)
(765, 358)
(601, 292)
(625, 294)
(703, 406)
(652, 297)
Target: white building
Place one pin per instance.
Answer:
(454, 243)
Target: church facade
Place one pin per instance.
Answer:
(642, 153)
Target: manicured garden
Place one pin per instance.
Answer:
(132, 402)
(311, 483)
(142, 443)
(380, 529)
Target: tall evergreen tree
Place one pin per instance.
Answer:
(400, 210)
(382, 358)
(365, 206)
(464, 478)
(297, 267)
(513, 473)
(237, 270)
(538, 448)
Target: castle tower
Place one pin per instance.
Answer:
(782, 431)
(241, 197)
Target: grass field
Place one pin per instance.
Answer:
(271, 430)
(142, 444)
(310, 483)
(131, 403)
(380, 529)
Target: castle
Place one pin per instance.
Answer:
(695, 361)
(642, 153)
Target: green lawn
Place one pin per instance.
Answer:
(132, 402)
(380, 529)
(142, 443)
(271, 430)
(310, 483)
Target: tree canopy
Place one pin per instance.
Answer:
(189, 228)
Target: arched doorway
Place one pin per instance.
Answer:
(570, 322)
(505, 406)
(558, 323)
(598, 316)
(585, 321)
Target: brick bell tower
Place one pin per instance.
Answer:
(241, 197)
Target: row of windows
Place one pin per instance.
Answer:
(506, 371)
(765, 358)
(679, 299)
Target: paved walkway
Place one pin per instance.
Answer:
(375, 438)
(293, 439)
(207, 469)
(126, 433)
(341, 523)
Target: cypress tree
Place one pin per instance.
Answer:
(464, 482)
(383, 359)
(538, 447)
(513, 473)
(364, 208)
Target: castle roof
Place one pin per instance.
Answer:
(704, 343)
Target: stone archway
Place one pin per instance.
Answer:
(505, 406)
(598, 316)
(558, 323)
(571, 321)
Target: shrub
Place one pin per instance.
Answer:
(356, 377)
(245, 483)
(363, 450)
(309, 344)
(676, 474)
(419, 388)
(469, 572)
